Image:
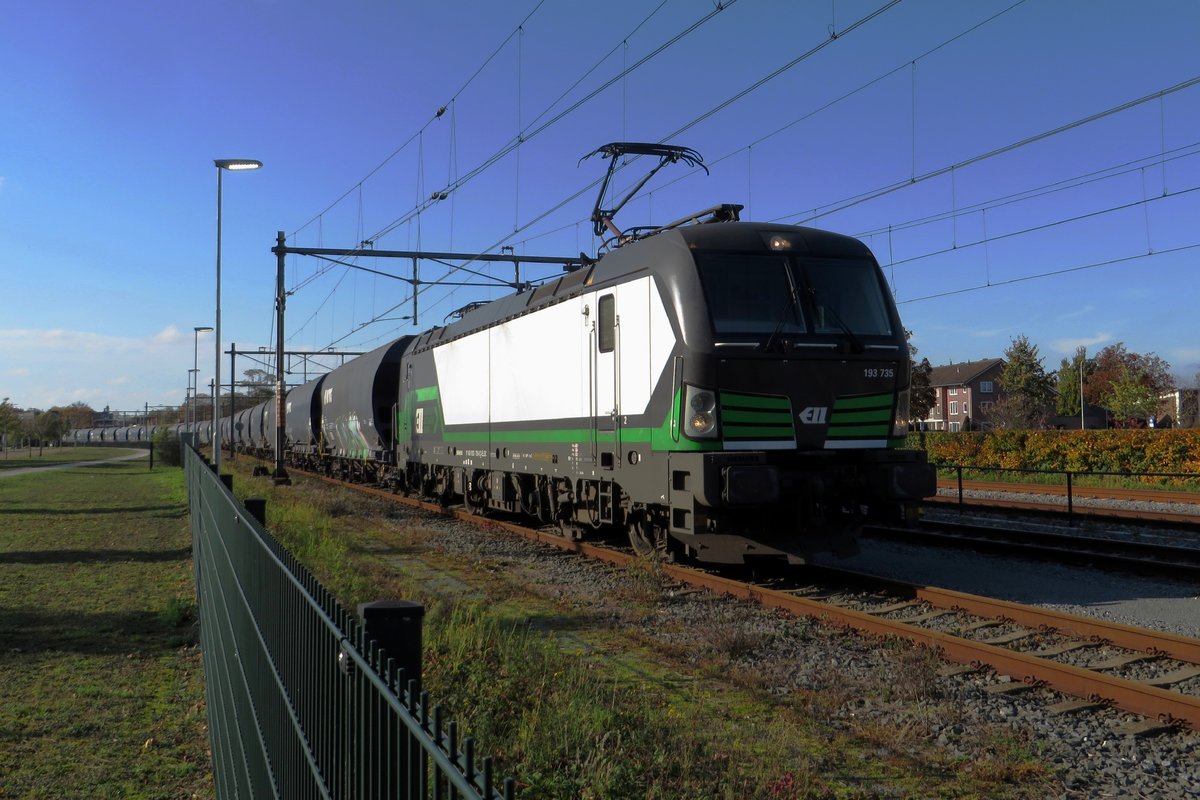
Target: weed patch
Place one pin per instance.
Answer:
(578, 693)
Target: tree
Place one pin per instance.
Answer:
(77, 415)
(10, 422)
(260, 384)
(49, 426)
(1111, 363)
(1028, 390)
(1069, 375)
(1129, 398)
(921, 393)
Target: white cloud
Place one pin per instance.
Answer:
(1083, 312)
(84, 342)
(1070, 345)
(60, 366)
(168, 335)
(987, 334)
(1185, 355)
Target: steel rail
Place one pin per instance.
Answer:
(1138, 698)
(1132, 696)
(1049, 506)
(1127, 554)
(1172, 645)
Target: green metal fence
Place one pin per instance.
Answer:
(306, 700)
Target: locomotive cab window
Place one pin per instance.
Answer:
(607, 313)
(846, 296)
(755, 295)
(749, 294)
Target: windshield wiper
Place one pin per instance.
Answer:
(792, 302)
(856, 344)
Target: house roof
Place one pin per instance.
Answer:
(959, 374)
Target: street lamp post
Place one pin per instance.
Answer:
(222, 164)
(197, 330)
(189, 402)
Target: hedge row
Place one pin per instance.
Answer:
(1174, 450)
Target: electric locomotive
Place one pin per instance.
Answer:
(725, 390)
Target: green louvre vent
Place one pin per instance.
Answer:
(756, 417)
(862, 417)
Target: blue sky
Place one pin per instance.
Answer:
(111, 115)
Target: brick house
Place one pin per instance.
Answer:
(964, 393)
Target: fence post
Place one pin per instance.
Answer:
(1070, 502)
(960, 488)
(395, 626)
(257, 508)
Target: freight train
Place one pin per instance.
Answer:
(722, 391)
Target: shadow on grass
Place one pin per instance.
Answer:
(94, 556)
(176, 509)
(30, 631)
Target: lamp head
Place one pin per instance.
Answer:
(237, 163)
(202, 329)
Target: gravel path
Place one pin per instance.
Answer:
(8, 473)
(858, 681)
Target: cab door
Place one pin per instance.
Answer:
(606, 420)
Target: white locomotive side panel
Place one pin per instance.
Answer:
(535, 369)
(540, 363)
(635, 311)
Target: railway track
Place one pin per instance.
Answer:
(1074, 548)
(1095, 662)
(1055, 500)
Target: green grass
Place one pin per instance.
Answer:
(20, 458)
(577, 704)
(101, 691)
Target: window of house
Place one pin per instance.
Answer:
(954, 407)
(955, 426)
(986, 387)
(954, 390)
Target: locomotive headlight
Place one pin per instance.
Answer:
(702, 402)
(702, 413)
(702, 424)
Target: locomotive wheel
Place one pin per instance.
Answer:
(570, 531)
(545, 506)
(647, 538)
(473, 495)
